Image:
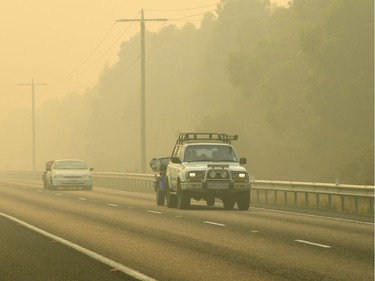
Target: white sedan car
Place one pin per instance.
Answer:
(69, 173)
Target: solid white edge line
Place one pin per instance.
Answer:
(214, 223)
(312, 243)
(98, 257)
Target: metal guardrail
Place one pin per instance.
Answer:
(356, 199)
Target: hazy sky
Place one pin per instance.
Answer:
(66, 44)
(50, 40)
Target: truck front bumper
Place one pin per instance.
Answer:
(213, 186)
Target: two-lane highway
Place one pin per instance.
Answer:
(204, 243)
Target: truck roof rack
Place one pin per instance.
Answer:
(218, 137)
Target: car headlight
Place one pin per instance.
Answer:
(242, 175)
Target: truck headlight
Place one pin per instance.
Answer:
(192, 175)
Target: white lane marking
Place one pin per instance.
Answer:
(120, 267)
(58, 194)
(39, 190)
(312, 243)
(214, 223)
(255, 231)
(81, 198)
(112, 205)
(154, 212)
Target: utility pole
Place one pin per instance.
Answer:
(33, 113)
(143, 86)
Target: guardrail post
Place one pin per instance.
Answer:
(285, 198)
(275, 197)
(356, 205)
(329, 201)
(342, 203)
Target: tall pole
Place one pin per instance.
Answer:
(143, 96)
(143, 85)
(33, 115)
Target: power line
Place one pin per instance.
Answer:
(184, 9)
(75, 72)
(86, 59)
(180, 18)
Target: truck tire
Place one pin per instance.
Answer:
(160, 197)
(183, 199)
(243, 201)
(171, 199)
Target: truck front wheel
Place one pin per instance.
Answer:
(183, 199)
(243, 201)
(170, 197)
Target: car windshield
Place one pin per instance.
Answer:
(73, 165)
(209, 153)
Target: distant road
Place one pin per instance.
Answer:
(204, 243)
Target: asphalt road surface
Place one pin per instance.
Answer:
(109, 235)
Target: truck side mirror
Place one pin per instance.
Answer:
(243, 161)
(176, 160)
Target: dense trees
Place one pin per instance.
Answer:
(296, 83)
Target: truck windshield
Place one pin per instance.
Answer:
(210, 153)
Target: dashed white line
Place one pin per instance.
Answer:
(154, 212)
(112, 205)
(312, 243)
(58, 194)
(81, 198)
(214, 223)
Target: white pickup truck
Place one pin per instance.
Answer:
(204, 166)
